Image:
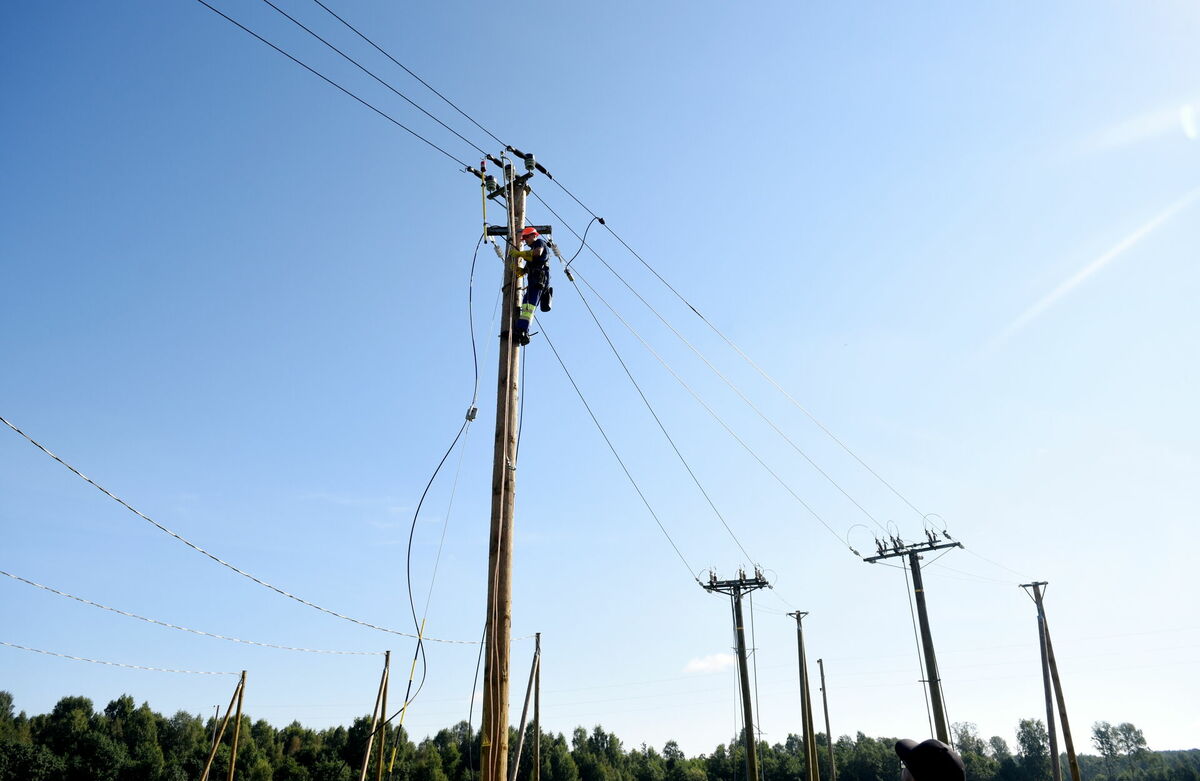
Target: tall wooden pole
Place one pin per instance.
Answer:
(828, 731)
(237, 728)
(1052, 683)
(494, 749)
(377, 715)
(387, 682)
(1072, 760)
(931, 667)
(221, 733)
(806, 713)
(744, 677)
(537, 711)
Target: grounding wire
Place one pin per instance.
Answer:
(410, 73)
(365, 70)
(333, 83)
(714, 414)
(662, 427)
(582, 242)
(471, 707)
(617, 455)
(720, 374)
(115, 664)
(184, 628)
(212, 556)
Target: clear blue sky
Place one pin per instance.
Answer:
(965, 237)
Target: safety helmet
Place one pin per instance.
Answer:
(529, 233)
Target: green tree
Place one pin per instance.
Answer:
(1033, 747)
(1104, 738)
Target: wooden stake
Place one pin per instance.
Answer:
(387, 680)
(217, 735)
(366, 763)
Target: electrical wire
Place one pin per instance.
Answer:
(214, 557)
(714, 414)
(744, 356)
(410, 73)
(471, 707)
(617, 455)
(582, 243)
(718, 372)
(333, 83)
(184, 628)
(115, 664)
(370, 73)
(662, 427)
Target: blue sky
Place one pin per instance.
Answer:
(963, 237)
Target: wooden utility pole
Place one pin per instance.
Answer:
(1051, 682)
(735, 589)
(806, 714)
(387, 682)
(534, 666)
(537, 711)
(237, 690)
(377, 716)
(494, 748)
(828, 731)
(237, 727)
(933, 680)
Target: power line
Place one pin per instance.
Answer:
(632, 481)
(410, 73)
(713, 413)
(115, 664)
(720, 374)
(370, 73)
(215, 558)
(662, 427)
(184, 628)
(333, 83)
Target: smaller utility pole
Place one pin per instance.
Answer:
(735, 589)
(828, 732)
(237, 727)
(913, 551)
(1050, 678)
(806, 715)
(537, 710)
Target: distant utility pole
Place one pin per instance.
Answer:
(806, 716)
(1050, 675)
(498, 637)
(896, 547)
(828, 731)
(735, 589)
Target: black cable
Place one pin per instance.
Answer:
(410, 73)
(471, 708)
(362, 68)
(333, 83)
(617, 455)
(582, 241)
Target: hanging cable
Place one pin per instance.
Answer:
(115, 664)
(582, 242)
(184, 628)
(215, 558)
(616, 455)
(333, 83)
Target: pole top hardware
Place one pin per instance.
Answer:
(894, 546)
(502, 230)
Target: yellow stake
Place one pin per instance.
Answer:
(412, 674)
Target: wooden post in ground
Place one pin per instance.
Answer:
(537, 711)
(494, 743)
(217, 735)
(387, 681)
(375, 719)
(237, 727)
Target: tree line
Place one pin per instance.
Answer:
(127, 742)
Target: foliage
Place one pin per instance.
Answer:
(128, 742)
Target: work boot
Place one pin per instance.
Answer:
(522, 338)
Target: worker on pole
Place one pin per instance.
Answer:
(536, 272)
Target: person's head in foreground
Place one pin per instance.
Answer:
(931, 760)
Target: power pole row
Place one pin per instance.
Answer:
(806, 717)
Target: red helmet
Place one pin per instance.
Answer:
(529, 233)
